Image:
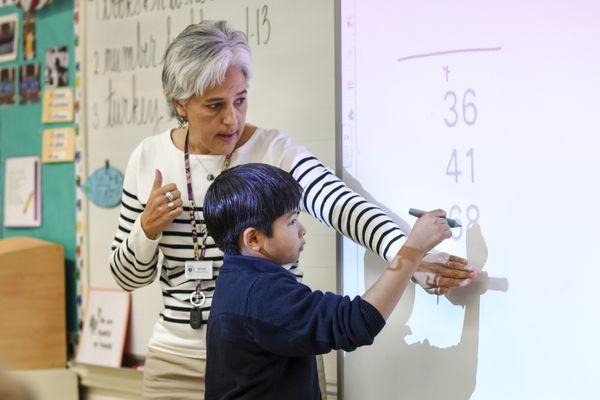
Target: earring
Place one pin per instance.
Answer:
(182, 121)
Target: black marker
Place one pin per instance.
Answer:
(418, 213)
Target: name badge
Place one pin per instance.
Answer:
(199, 269)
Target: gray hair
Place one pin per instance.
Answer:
(198, 59)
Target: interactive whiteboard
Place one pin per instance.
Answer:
(490, 111)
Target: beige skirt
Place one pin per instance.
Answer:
(167, 376)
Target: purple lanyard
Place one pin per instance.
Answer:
(198, 255)
(188, 175)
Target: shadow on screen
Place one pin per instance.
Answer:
(392, 368)
(421, 370)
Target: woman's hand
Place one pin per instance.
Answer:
(164, 205)
(429, 230)
(440, 272)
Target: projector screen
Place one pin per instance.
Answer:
(489, 110)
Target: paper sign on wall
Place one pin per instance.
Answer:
(22, 192)
(105, 327)
(58, 145)
(58, 105)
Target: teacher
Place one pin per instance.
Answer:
(205, 79)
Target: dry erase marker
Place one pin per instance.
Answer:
(418, 213)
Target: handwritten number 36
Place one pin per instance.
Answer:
(469, 111)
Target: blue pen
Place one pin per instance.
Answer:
(418, 213)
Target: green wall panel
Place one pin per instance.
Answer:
(21, 135)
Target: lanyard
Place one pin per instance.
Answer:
(197, 298)
(198, 255)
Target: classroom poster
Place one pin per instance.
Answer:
(22, 192)
(58, 145)
(57, 105)
(105, 327)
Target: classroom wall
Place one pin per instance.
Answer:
(301, 103)
(20, 135)
(292, 89)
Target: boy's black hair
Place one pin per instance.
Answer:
(249, 195)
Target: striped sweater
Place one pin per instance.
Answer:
(134, 259)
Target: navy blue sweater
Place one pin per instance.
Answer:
(265, 329)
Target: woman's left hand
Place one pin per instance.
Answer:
(440, 272)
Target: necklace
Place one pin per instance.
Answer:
(210, 175)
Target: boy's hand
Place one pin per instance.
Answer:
(429, 230)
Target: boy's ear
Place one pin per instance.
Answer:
(252, 239)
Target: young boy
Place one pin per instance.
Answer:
(265, 327)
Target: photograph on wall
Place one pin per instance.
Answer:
(28, 36)
(31, 5)
(29, 83)
(7, 86)
(9, 33)
(57, 66)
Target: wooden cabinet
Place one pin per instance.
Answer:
(32, 304)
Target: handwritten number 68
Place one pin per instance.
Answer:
(472, 214)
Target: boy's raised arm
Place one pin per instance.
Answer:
(429, 230)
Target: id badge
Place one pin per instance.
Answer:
(199, 269)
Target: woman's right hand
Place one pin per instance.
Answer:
(160, 211)
(429, 230)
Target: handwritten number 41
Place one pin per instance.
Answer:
(453, 169)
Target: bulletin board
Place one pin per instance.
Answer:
(21, 135)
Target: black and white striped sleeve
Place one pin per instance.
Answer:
(327, 198)
(133, 257)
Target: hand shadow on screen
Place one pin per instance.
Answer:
(421, 370)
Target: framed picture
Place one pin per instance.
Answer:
(28, 36)
(7, 86)
(9, 37)
(29, 83)
(57, 66)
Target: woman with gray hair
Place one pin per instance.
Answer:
(205, 80)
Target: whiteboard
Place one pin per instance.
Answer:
(293, 89)
(490, 111)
